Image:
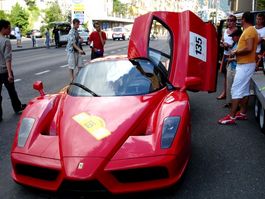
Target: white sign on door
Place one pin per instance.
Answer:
(198, 46)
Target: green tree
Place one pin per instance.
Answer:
(261, 4)
(3, 15)
(19, 17)
(119, 8)
(53, 13)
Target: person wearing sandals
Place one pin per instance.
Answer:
(245, 68)
(226, 43)
(231, 67)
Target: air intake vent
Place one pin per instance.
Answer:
(140, 175)
(37, 172)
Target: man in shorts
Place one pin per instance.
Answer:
(246, 63)
(74, 52)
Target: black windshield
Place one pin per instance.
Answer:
(119, 78)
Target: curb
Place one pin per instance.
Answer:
(30, 48)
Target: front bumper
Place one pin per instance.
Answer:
(96, 174)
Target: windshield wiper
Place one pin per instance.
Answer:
(84, 88)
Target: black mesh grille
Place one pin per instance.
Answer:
(37, 172)
(82, 186)
(140, 175)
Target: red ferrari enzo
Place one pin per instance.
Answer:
(123, 125)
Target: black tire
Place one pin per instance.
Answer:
(262, 120)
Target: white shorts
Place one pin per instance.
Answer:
(240, 87)
(75, 60)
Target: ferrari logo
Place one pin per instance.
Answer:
(80, 165)
(93, 125)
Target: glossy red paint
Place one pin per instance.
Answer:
(182, 26)
(59, 150)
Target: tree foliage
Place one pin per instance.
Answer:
(261, 4)
(19, 17)
(119, 8)
(3, 15)
(53, 13)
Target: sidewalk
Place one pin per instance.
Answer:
(27, 44)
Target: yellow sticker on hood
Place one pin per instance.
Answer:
(93, 125)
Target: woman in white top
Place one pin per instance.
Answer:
(226, 43)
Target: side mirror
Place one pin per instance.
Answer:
(39, 87)
(191, 83)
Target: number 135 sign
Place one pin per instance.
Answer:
(198, 46)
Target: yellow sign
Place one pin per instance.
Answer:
(78, 7)
(93, 125)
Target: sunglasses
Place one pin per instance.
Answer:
(230, 20)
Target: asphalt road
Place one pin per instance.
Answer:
(227, 161)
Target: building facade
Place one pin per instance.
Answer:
(242, 5)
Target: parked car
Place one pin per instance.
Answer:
(120, 33)
(84, 34)
(36, 32)
(123, 124)
(108, 32)
(63, 28)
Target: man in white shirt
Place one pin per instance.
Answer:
(18, 36)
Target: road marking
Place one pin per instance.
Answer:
(17, 80)
(64, 66)
(43, 72)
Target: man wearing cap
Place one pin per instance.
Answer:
(231, 67)
(246, 63)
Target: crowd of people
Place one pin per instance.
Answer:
(74, 51)
(242, 50)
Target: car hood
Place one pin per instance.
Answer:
(98, 126)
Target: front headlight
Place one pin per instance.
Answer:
(24, 131)
(169, 131)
